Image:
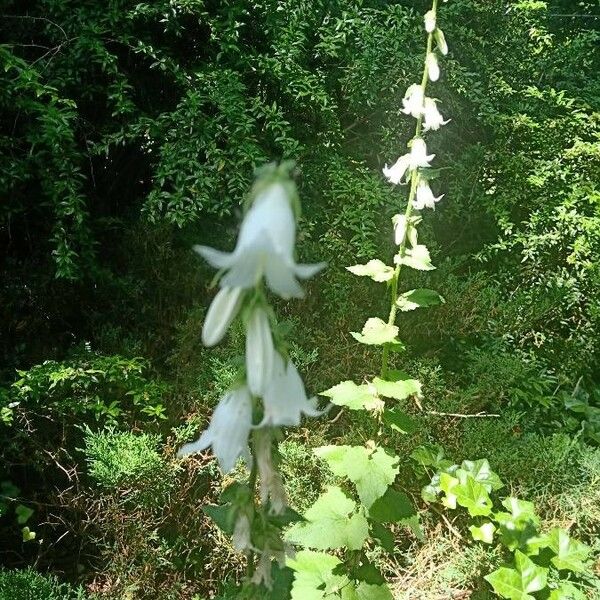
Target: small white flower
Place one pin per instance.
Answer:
(430, 21)
(433, 117)
(285, 398)
(222, 311)
(425, 197)
(396, 172)
(433, 68)
(265, 246)
(241, 533)
(228, 430)
(260, 351)
(413, 101)
(418, 154)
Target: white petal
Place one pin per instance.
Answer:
(306, 271)
(430, 21)
(215, 258)
(259, 351)
(396, 172)
(433, 68)
(222, 311)
(280, 276)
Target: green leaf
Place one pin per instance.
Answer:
(392, 507)
(368, 573)
(567, 591)
(473, 496)
(520, 526)
(520, 582)
(223, 516)
(314, 577)
(400, 421)
(430, 456)
(480, 470)
(353, 396)
(484, 534)
(570, 554)
(331, 523)
(372, 471)
(419, 298)
(447, 483)
(23, 514)
(383, 535)
(28, 535)
(398, 385)
(376, 333)
(375, 269)
(364, 591)
(416, 258)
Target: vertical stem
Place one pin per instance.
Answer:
(414, 180)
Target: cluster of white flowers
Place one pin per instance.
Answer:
(265, 248)
(424, 109)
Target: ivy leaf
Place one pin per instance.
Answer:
(520, 582)
(314, 577)
(484, 534)
(570, 554)
(399, 386)
(371, 471)
(28, 535)
(419, 298)
(376, 333)
(447, 483)
(520, 526)
(392, 507)
(23, 513)
(431, 456)
(331, 523)
(353, 396)
(567, 591)
(400, 421)
(482, 473)
(473, 496)
(416, 257)
(375, 269)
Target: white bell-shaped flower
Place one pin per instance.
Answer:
(396, 172)
(260, 351)
(413, 101)
(418, 154)
(430, 21)
(433, 118)
(265, 246)
(424, 196)
(285, 398)
(222, 311)
(433, 68)
(228, 430)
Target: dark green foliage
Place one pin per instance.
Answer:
(30, 585)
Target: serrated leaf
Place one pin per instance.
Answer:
(419, 298)
(383, 535)
(416, 257)
(331, 523)
(223, 516)
(372, 472)
(398, 385)
(518, 583)
(400, 421)
(353, 396)
(570, 554)
(392, 507)
(376, 269)
(482, 473)
(484, 534)
(314, 577)
(368, 573)
(376, 333)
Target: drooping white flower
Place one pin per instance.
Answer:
(265, 246)
(260, 351)
(424, 197)
(271, 484)
(433, 68)
(228, 430)
(433, 117)
(430, 21)
(418, 154)
(440, 40)
(413, 101)
(221, 313)
(285, 398)
(396, 172)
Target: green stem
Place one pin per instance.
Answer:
(414, 179)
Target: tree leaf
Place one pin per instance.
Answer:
(570, 554)
(376, 333)
(314, 577)
(484, 534)
(375, 269)
(353, 396)
(372, 472)
(419, 298)
(331, 523)
(520, 582)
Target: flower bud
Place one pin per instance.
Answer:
(221, 313)
(433, 69)
(430, 21)
(440, 40)
(259, 351)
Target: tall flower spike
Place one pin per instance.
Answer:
(260, 351)
(424, 197)
(222, 311)
(228, 430)
(265, 246)
(433, 117)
